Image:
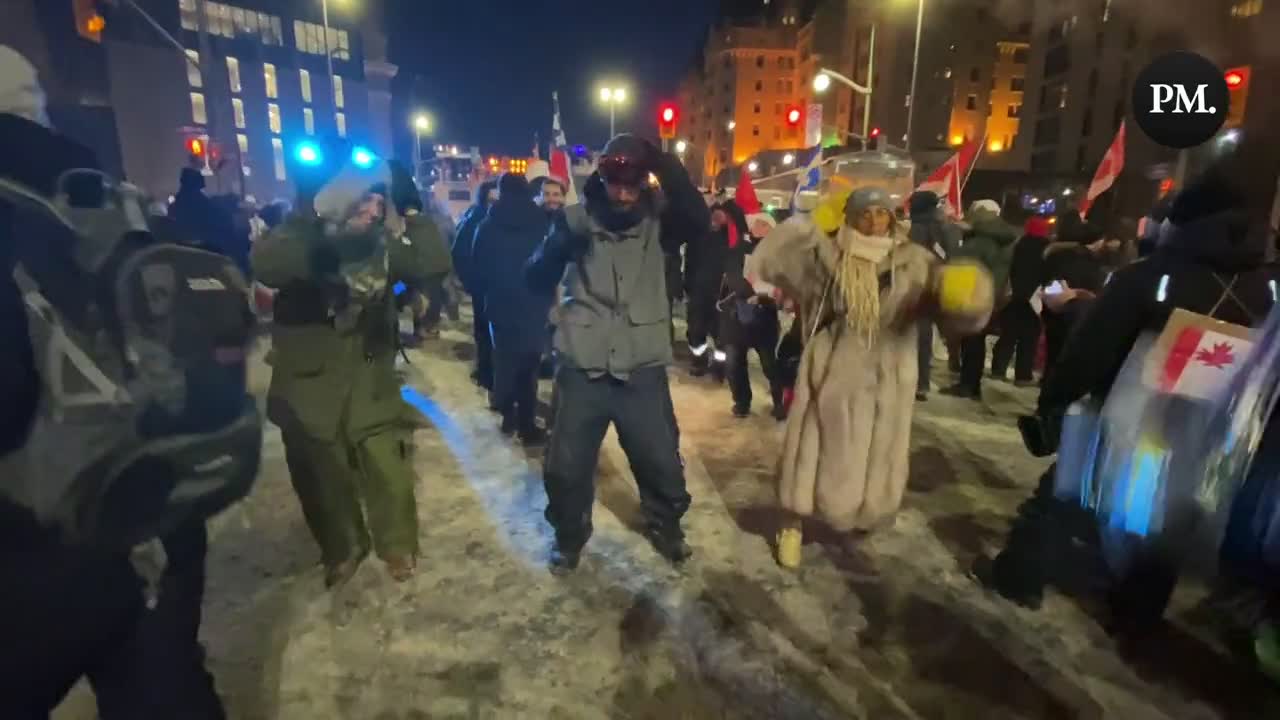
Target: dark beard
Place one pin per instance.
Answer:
(617, 219)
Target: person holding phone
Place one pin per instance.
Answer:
(1073, 277)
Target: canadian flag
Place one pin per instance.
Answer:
(1108, 170)
(1202, 362)
(948, 180)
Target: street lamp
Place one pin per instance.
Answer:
(822, 83)
(915, 69)
(681, 146)
(788, 159)
(732, 124)
(753, 166)
(421, 126)
(613, 96)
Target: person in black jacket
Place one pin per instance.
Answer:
(703, 271)
(749, 321)
(464, 264)
(1073, 277)
(1209, 264)
(508, 237)
(930, 230)
(1019, 322)
(71, 611)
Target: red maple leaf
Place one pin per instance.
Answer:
(1219, 356)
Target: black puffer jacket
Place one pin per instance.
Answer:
(508, 237)
(1199, 262)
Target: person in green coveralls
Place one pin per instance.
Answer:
(334, 390)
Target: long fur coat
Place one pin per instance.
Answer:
(846, 449)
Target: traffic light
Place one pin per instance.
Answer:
(89, 20)
(794, 116)
(873, 139)
(667, 117)
(1237, 95)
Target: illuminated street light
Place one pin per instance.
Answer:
(1066, 192)
(681, 146)
(753, 166)
(421, 126)
(422, 123)
(788, 159)
(732, 125)
(613, 96)
(821, 82)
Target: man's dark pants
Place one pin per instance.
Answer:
(72, 612)
(484, 346)
(760, 335)
(973, 360)
(1019, 340)
(516, 358)
(924, 353)
(641, 411)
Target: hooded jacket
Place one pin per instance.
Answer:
(513, 230)
(1193, 270)
(990, 242)
(615, 314)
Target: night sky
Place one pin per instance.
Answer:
(485, 69)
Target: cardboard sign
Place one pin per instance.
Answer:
(1197, 356)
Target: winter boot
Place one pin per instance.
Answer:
(401, 567)
(670, 545)
(741, 411)
(564, 561)
(533, 437)
(790, 541)
(341, 573)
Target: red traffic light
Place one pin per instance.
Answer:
(195, 146)
(875, 132)
(1234, 78)
(667, 115)
(793, 116)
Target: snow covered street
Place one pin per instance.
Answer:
(887, 626)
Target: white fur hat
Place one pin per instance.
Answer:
(20, 91)
(763, 217)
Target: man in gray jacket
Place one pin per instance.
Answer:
(613, 342)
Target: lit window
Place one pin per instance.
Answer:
(233, 72)
(269, 77)
(243, 141)
(304, 78)
(277, 154)
(339, 95)
(190, 16)
(197, 109)
(273, 117)
(193, 69)
(1062, 96)
(309, 121)
(341, 120)
(1246, 9)
(237, 109)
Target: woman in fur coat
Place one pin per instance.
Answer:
(860, 289)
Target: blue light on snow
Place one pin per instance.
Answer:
(309, 154)
(363, 157)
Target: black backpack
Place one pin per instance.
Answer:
(144, 420)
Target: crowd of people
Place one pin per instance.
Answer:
(839, 302)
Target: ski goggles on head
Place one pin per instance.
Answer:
(621, 170)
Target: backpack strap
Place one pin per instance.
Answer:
(1228, 292)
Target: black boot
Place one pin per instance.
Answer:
(564, 561)
(670, 545)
